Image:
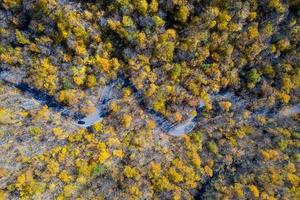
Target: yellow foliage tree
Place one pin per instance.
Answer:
(69, 96)
(53, 167)
(79, 75)
(5, 116)
(254, 190)
(44, 75)
(126, 120)
(103, 63)
(65, 177)
(131, 172)
(21, 38)
(42, 114)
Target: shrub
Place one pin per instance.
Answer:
(98, 170)
(176, 71)
(253, 76)
(212, 146)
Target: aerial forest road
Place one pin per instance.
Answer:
(168, 127)
(102, 108)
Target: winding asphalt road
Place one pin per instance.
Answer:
(102, 110)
